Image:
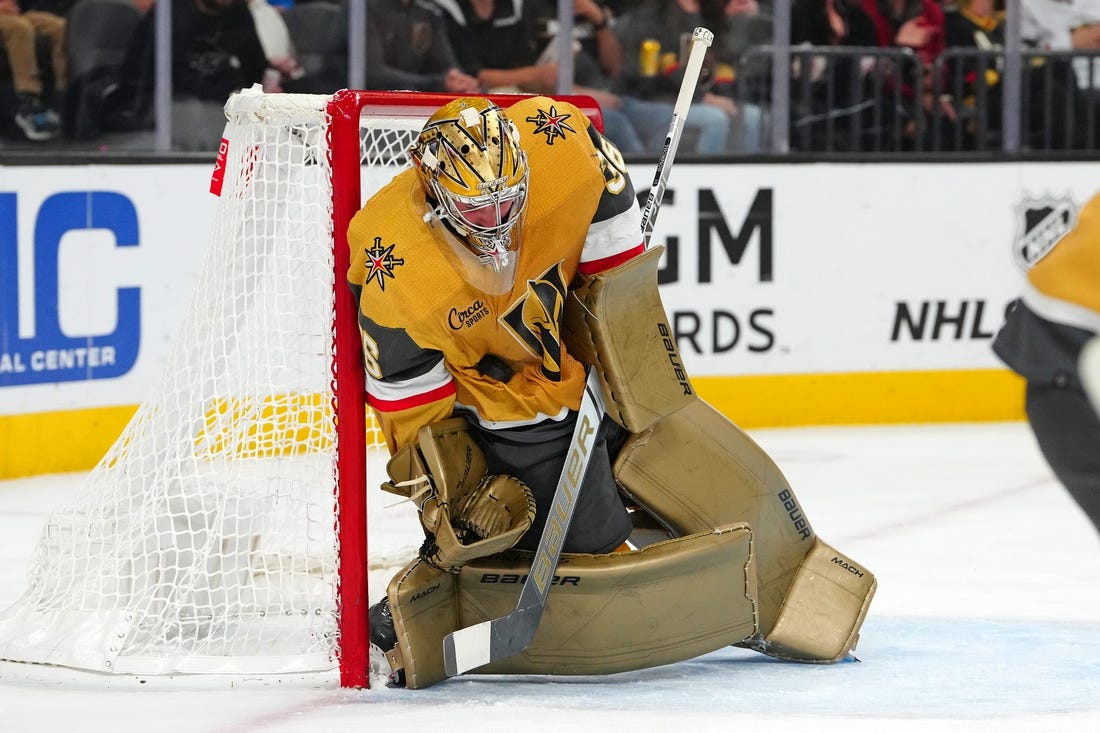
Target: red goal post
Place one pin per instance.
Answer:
(348, 112)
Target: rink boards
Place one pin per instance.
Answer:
(801, 293)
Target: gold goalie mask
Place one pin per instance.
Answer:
(475, 174)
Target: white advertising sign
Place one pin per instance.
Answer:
(817, 268)
(97, 264)
(769, 269)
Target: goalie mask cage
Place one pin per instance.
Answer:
(225, 530)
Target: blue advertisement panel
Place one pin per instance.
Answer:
(50, 354)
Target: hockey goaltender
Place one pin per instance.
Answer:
(491, 275)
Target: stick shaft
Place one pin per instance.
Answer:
(701, 39)
(500, 638)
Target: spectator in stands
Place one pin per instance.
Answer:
(915, 24)
(831, 106)
(918, 25)
(972, 83)
(498, 42)
(21, 27)
(495, 40)
(655, 38)
(740, 81)
(408, 48)
(282, 59)
(831, 23)
(1060, 25)
(592, 31)
(597, 62)
(1051, 25)
(215, 52)
(974, 23)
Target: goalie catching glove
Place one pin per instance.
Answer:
(465, 513)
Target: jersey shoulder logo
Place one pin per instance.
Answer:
(551, 123)
(381, 263)
(1041, 222)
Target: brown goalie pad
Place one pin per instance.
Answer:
(822, 611)
(616, 323)
(606, 613)
(695, 469)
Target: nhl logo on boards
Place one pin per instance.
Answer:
(1041, 224)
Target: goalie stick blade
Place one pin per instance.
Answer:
(467, 648)
(499, 638)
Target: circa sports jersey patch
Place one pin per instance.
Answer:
(380, 263)
(1040, 224)
(551, 123)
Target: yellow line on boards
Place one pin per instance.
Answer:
(75, 440)
(58, 442)
(867, 398)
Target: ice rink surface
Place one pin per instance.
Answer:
(987, 617)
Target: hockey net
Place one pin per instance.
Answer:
(225, 530)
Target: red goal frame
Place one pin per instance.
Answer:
(344, 112)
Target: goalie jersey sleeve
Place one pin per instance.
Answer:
(1059, 310)
(428, 331)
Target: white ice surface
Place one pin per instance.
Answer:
(987, 618)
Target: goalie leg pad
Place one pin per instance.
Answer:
(423, 604)
(672, 601)
(822, 610)
(695, 469)
(616, 323)
(607, 613)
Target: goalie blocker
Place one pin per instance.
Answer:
(742, 564)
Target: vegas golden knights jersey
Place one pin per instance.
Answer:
(1060, 307)
(441, 334)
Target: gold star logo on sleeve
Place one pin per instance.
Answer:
(551, 123)
(380, 263)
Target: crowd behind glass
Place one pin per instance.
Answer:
(801, 76)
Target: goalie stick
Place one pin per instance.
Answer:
(500, 638)
(508, 635)
(701, 38)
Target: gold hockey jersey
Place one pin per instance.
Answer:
(1064, 285)
(437, 330)
(1059, 310)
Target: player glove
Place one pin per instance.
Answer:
(465, 513)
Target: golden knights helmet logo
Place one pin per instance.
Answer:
(535, 319)
(1041, 222)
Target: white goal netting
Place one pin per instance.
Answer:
(206, 540)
